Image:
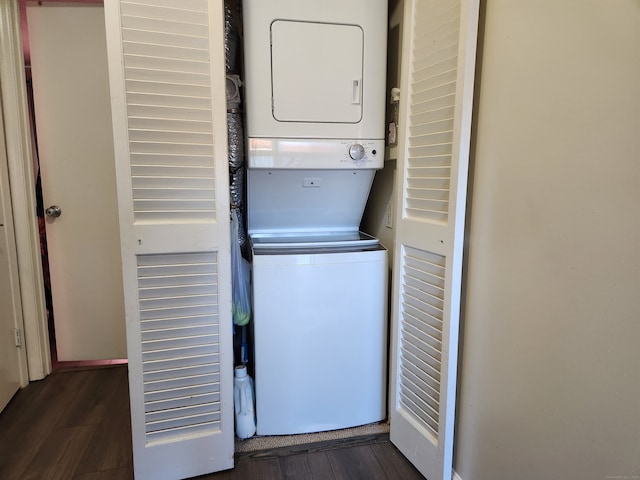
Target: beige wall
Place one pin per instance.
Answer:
(550, 373)
(375, 220)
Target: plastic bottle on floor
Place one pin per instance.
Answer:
(243, 401)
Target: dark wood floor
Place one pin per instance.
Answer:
(74, 425)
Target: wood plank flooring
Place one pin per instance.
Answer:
(75, 425)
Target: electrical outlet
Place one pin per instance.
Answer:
(389, 215)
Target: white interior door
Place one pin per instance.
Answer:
(75, 144)
(438, 64)
(12, 357)
(167, 75)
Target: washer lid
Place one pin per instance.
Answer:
(312, 240)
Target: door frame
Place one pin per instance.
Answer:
(14, 308)
(15, 113)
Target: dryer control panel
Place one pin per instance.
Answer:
(296, 153)
(366, 152)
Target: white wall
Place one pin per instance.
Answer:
(550, 375)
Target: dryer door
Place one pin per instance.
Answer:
(326, 84)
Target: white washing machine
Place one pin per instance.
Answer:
(314, 78)
(319, 301)
(320, 333)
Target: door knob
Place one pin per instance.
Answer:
(53, 211)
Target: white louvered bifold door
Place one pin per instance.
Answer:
(167, 78)
(438, 63)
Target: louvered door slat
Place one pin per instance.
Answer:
(428, 333)
(175, 366)
(175, 322)
(437, 138)
(169, 302)
(173, 193)
(416, 377)
(163, 38)
(172, 183)
(431, 193)
(429, 150)
(169, 147)
(179, 312)
(194, 340)
(419, 289)
(159, 64)
(167, 76)
(184, 371)
(430, 81)
(153, 98)
(415, 357)
(163, 25)
(448, 53)
(139, 86)
(180, 268)
(423, 403)
(424, 128)
(160, 280)
(412, 402)
(175, 205)
(187, 411)
(180, 382)
(192, 5)
(167, 52)
(159, 437)
(168, 12)
(440, 67)
(169, 125)
(179, 331)
(169, 112)
(421, 206)
(446, 90)
(183, 171)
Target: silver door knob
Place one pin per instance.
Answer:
(53, 211)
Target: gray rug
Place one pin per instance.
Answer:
(254, 444)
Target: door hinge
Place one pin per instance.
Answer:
(18, 337)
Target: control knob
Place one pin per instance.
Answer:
(356, 151)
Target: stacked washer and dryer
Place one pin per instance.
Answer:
(315, 100)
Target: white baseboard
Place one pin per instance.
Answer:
(456, 476)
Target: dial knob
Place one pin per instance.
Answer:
(356, 151)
